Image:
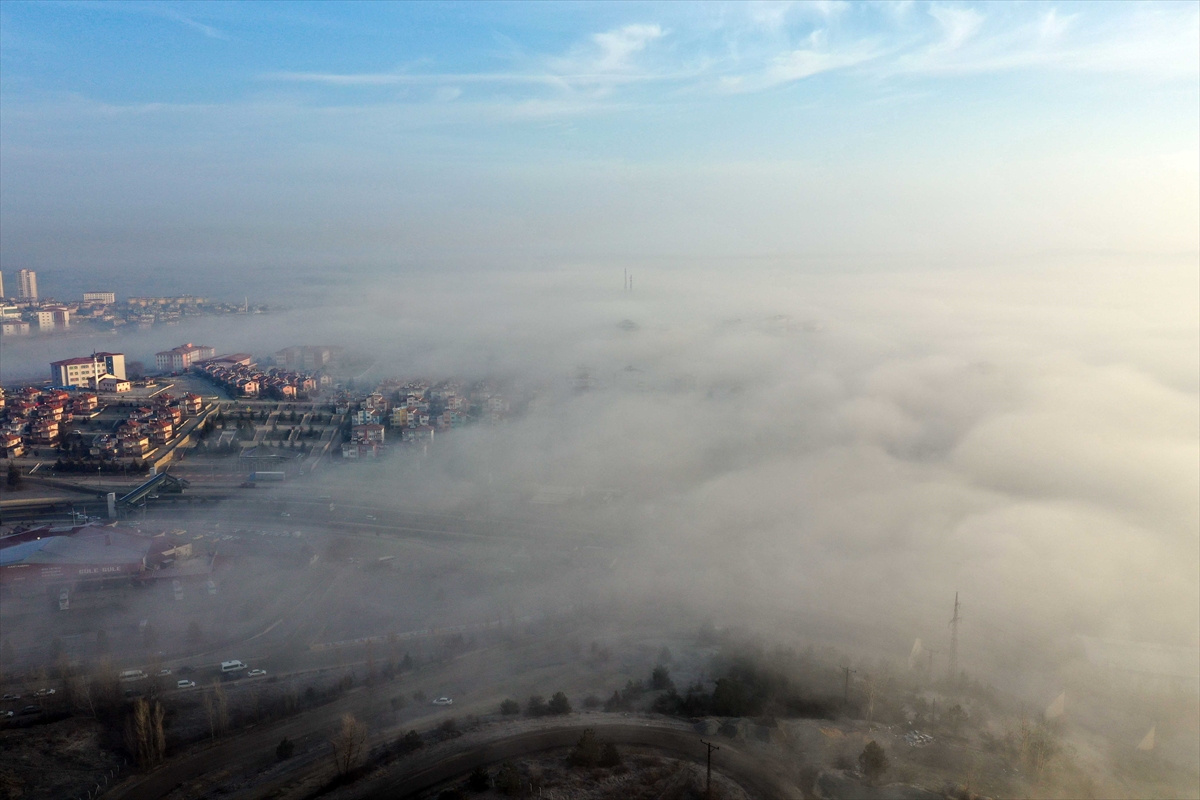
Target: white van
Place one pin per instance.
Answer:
(132, 675)
(232, 666)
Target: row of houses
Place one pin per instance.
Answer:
(148, 427)
(38, 417)
(241, 376)
(415, 411)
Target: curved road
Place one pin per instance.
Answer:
(409, 777)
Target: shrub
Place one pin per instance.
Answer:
(609, 757)
(510, 707)
(660, 678)
(480, 780)
(508, 780)
(559, 704)
(409, 742)
(873, 761)
(285, 749)
(536, 707)
(586, 752)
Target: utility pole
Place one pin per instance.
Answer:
(846, 691)
(952, 670)
(708, 782)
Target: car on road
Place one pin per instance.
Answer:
(212, 587)
(43, 692)
(232, 665)
(285, 514)
(164, 672)
(246, 485)
(256, 673)
(6, 714)
(185, 684)
(177, 587)
(443, 701)
(12, 697)
(371, 517)
(27, 710)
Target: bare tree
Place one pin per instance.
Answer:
(144, 733)
(349, 744)
(216, 709)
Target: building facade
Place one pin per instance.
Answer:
(86, 370)
(181, 358)
(27, 285)
(108, 298)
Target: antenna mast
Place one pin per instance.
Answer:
(953, 666)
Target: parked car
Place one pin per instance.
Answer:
(256, 673)
(185, 684)
(443, 701)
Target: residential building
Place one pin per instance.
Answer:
(107, 298)
(14, 327)
(232, 359)
(53, 317)
(113, 385)
(85, 370)
(27, 284)
(367, 434)
(114, 364)
(181, 358)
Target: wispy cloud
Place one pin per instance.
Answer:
(958, 24)
(207, 30)
(766, 45)
(617, 47)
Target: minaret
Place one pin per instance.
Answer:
(953, 667)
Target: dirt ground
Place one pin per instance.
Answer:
(56, 761)
(641, 774)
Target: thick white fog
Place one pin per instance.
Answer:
(846, 449)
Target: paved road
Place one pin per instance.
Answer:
(412, 776)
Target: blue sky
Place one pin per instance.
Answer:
(136, 132)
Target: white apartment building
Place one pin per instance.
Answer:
(27, 285)
(108, 298)
(85, 370)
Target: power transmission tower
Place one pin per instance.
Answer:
(708, 782)
(952, 670)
